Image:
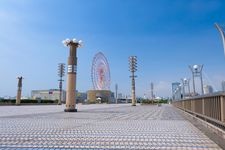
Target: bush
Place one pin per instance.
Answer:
(28, 101)
(7, 101)
(49, 101)
(146, 101)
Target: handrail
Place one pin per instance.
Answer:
(210, 107)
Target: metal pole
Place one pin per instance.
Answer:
(116, 88)
(201, 83)
(61, 72)
(221, 31)
(193, 82)
(183, 90)
(189, 90)
(133, 90)
(133, 68)
(60, 92)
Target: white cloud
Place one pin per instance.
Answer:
(163, 88)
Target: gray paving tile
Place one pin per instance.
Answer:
(98, 127)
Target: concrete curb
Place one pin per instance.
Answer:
(214, 133)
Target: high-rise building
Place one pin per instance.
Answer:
(152, 88)
(208, 89)
(223, 86)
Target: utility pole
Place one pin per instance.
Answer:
(133, 69)
(61, 73)
(116, 90)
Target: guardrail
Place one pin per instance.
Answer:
(208, 107)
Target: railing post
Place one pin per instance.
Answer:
(193, 105)
(182, 102)
(203, 106)
(222, 108)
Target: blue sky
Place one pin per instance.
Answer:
(165, 35)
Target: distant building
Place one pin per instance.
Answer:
(120, 96)
(99, 96)
(208, 89)
(81, 97)
(223, 86)
(51, 94)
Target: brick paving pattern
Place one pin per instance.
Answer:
(99, 126)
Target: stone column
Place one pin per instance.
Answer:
(19, 90)
(71, 76)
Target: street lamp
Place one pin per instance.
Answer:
(61, 73)
(71, 74)
(132, 69)
(197, 72)
(177, 92)
(185, 83)
(19, 90)
(221, 31)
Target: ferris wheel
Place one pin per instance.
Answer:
(100, 72)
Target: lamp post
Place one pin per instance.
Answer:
(61, 73)
(221, 31)
(185, 83)
(71, 74)
(133, 68)
(116, 89)
(197, 72)
(19, 90)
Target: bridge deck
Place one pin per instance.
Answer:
(99, 127)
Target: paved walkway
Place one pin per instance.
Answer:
(98, 127)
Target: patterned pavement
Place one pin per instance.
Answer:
(99, 126)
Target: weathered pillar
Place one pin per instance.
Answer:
(19, 90)
(71, 75)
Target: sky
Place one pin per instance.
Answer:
(166, 36)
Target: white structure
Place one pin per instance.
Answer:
(52, 94)
(221, 31)
(197, 72)
(186, 87)
(176, 91)
(208, 89)
(120, 95)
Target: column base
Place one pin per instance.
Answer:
(133, 105)
(70, 110)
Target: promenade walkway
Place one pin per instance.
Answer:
(99, 126)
